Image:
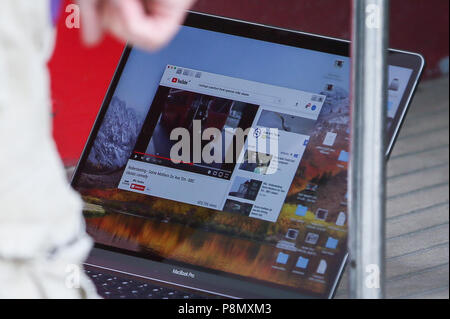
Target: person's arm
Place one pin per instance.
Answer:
(42, 231)
(43, 241)
(148, 24)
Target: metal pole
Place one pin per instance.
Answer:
(367, 165)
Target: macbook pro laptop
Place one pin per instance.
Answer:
(217, 167)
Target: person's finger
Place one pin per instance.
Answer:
(153, 26)
(113, 21)
(92, 30)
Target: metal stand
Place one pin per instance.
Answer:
(367, 166)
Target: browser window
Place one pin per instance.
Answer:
(251, 178)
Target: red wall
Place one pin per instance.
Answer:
(80, 76)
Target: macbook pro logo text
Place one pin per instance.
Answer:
(180, 272)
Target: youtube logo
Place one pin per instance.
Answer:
(179, 81)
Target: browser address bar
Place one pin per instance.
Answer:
(232, 93)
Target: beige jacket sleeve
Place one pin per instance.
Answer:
(42, 234)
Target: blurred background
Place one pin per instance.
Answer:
(80, 76)
(417, 231)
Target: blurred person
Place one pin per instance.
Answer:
(42, 233)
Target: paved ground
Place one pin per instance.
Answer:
(418, 200)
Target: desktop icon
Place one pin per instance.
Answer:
(312, 238)
(282, 258)
(329, 139)
(302, 262)
(390, 106)
(394, 85)
(321, 214)
(322, 268)
(332, 243)
(312, 187)
(339, 64)
(292, 234)
(301, 210)
(340, 221)
(343, 156)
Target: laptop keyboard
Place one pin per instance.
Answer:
(115, 287)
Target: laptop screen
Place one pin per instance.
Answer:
(228, 155)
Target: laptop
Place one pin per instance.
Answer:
(217, 167)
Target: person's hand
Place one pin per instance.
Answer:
(148, 24)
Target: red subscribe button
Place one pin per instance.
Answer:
(138, 187)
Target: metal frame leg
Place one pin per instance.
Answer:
(367, 165)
